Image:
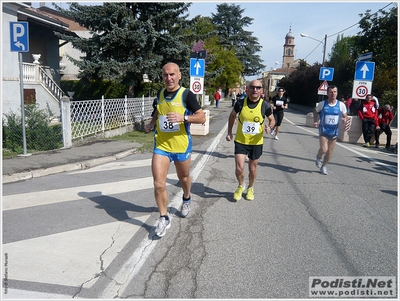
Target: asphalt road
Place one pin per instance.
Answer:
(89, 233)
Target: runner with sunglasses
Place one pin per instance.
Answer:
(252, 113)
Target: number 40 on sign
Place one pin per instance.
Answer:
(361, 89)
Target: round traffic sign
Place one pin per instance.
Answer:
(196, 86)
(362, 91)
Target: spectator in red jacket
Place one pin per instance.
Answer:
(368, 114)
(385, 116)
(217, 98)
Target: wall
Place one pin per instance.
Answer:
(10, 94)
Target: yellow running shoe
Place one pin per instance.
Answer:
(238, 193)
(250, 194)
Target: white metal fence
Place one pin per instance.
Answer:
(80, 119)
(90, 117)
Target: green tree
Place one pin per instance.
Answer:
(302, 85)
(343, 59)
(130, 39)
(223, 69)
(379, 35)
(232, 36)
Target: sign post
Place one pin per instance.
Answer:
(363, 77)
(19, 40)
(197, 70)
(325, 74)
(323, 89)
(365, 56)
(361, 89)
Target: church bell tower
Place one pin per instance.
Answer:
(288, 50)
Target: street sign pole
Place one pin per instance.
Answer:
(19, 42)
(21, 84)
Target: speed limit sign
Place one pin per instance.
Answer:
(197, 84)
(361, 89)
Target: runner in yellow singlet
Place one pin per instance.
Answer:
(174, 110)
(253, 112)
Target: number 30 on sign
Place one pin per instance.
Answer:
(361, 89)
(197, 84)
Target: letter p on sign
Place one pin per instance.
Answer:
(326, 73)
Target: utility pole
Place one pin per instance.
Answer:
(323, 59)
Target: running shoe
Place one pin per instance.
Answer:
(162, 225)
(367, 145)
(238, 193)
(318, 162)
(323, 170)
(250, 194)
(276, 137)
(273, 132)
(185, 208)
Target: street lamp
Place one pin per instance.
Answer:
(322, 41)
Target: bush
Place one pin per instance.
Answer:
(40, 135)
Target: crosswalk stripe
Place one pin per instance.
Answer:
(75, 257)
(117, 165)
(25, 200)
(15, 294)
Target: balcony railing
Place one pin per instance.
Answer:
(34, 73)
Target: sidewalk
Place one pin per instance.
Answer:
(78, 157)
(60, 160)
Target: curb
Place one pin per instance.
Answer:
(28, 175)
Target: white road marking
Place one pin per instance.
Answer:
(134, 263)
(69, 258)
(118, 165)
(349, 148)
(24, 200)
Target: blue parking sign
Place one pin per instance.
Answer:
(19, 36)
(326, 73)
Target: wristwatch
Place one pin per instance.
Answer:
(186, 118)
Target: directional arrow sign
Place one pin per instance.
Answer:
(365, 57)
(364, 71)
(197, 67)
(19, 37)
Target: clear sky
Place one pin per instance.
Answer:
(273, 19)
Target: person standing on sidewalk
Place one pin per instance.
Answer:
(279, 103)
(233, 97)
(329, 112)
(217, 97)
(253, 112)
(175, 108)
(368, 113)
(385, 116)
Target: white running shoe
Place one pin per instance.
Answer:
(162, 226)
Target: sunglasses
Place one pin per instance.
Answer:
(255, 87)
